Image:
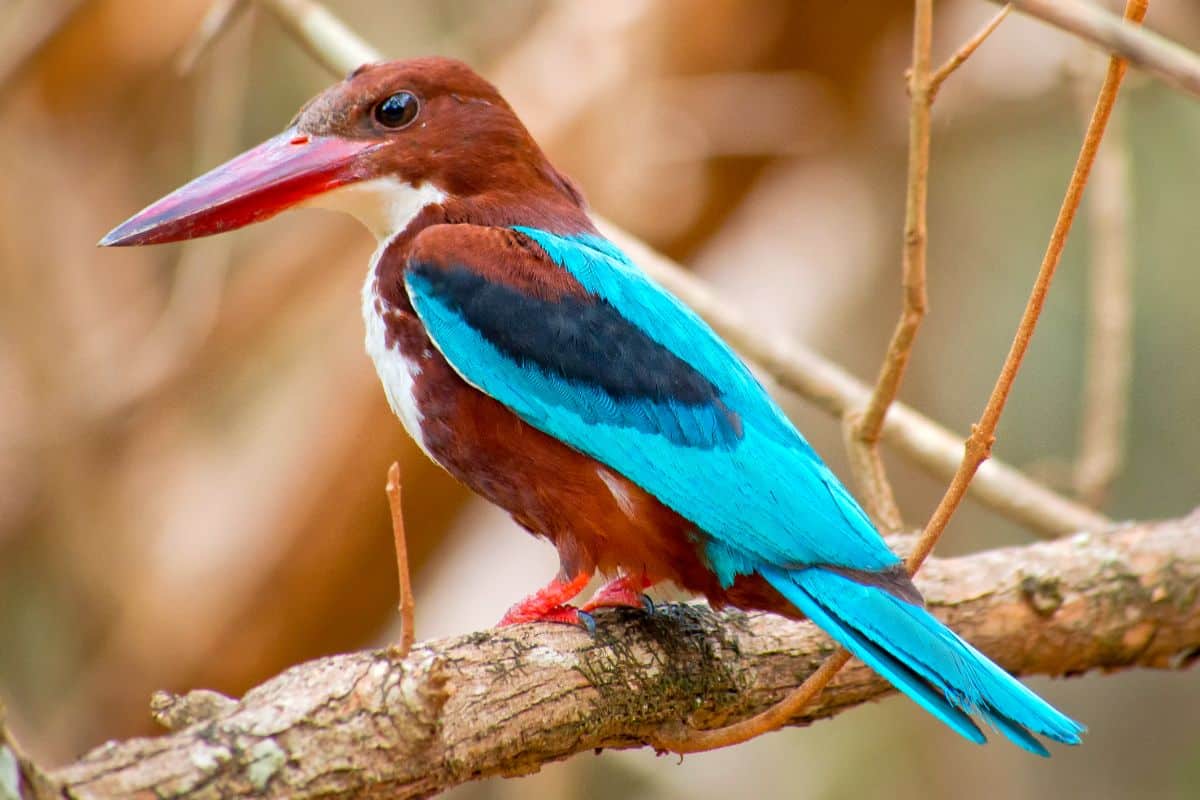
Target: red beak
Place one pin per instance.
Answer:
(257, 185)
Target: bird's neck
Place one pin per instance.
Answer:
(395, 211)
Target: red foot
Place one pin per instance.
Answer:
(567, 614)
(550, 604)
(626, 590)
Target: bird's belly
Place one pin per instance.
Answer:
(398, 373)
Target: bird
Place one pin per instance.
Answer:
(531, 358)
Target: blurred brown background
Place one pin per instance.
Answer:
(193, 444)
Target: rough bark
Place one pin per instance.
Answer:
(505, 702)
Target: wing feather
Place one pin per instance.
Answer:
(728, 460)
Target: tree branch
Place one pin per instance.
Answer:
(1171, 63)
(505, 702)
(407, 602)
(983, 433)
(966, 50)
(862, 430)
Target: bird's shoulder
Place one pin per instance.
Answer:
(499, 255)
(560, 338)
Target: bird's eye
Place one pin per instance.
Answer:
(398, 110)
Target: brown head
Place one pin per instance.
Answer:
(389, 140)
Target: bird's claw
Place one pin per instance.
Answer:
(550, 604)
(620, 594)
(561, 614)
(648, 604)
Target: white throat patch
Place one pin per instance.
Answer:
(385, 205)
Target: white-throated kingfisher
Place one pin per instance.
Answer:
(529, 357)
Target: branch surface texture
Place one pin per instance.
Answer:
(506, 702)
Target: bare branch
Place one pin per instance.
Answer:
(865, 429)
(407, 603)
(866, 465)
(1171, 63)
(983, 433)
(967, 50)
(178, 711)
(505, 702)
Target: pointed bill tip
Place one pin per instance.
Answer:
(147, 227)
(117, 237)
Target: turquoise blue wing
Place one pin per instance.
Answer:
(611, 364)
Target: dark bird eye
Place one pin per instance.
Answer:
(398, 110)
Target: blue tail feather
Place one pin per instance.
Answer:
(896, 672)
(923, 658)
(1018, 735)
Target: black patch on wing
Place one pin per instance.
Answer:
(577, 339)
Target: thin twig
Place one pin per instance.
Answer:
(968, 49)
(863, 430)
(407, 602)
(686, 740)
(1108, 361)
(864, 450)
(978, 445)
(870, 475)
(1171, 63)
